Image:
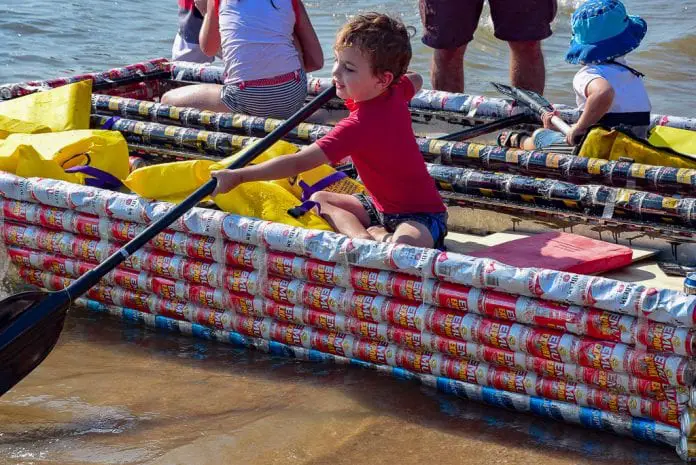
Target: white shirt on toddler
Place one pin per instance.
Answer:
(629, 91)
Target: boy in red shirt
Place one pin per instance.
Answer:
(372, 55)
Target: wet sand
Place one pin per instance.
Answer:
(114, 393)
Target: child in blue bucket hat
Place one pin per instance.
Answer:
(607, 90)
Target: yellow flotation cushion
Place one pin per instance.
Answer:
(679, 140)
(17, 126)
(265, 200)
(613, 144)
(61, 109)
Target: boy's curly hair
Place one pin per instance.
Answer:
(383, 39)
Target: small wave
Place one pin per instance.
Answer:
(23, 28)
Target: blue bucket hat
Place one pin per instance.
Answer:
(603, 31)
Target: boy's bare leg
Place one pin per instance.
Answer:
(413, 233)
(527, 70)
(201, 96)
(344, 213)
(379, 233)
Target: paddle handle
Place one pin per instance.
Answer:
(89, 279)
(486, 128)
(560, 125)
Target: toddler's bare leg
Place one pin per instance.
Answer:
(527, 143)
(344, 213)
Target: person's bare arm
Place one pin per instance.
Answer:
(277, 168)
(600, 96)
(416, 79)
(202, 5)
(307, 42)
(209, 37)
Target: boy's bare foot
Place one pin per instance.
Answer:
(378, 233)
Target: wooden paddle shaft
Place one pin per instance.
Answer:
(560, 124)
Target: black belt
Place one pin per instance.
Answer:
(635, 118)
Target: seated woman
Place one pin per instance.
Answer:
(267, 46)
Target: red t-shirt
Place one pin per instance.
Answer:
(379, 137)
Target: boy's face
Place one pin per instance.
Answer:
(352, 74)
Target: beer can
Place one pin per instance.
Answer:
(686, 449)
(687, 423)
(690, 283)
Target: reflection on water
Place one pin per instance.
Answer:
(115, 393)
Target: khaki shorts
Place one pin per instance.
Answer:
(450, 24)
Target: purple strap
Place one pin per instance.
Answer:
(110, 122)
(303, 208)
(308, 190)
(96, 177)
(323, 183)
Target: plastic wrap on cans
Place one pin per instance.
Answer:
(610, 326)
(641, 429)
(192, 245)
(242, 229)
(325, 298)
(665, 338)
(671, 369)
(243, 255)
(628, 384)
(387, 283)
(143, 69)
(390, 256)
(690, 284)
(426, 99)
(660, 305)
(686, 449)
(687, 423)
(215, 298)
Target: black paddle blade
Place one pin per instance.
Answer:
(527, 97)
(22, 346)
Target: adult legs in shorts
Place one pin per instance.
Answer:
(523, 24)
(449, 26)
